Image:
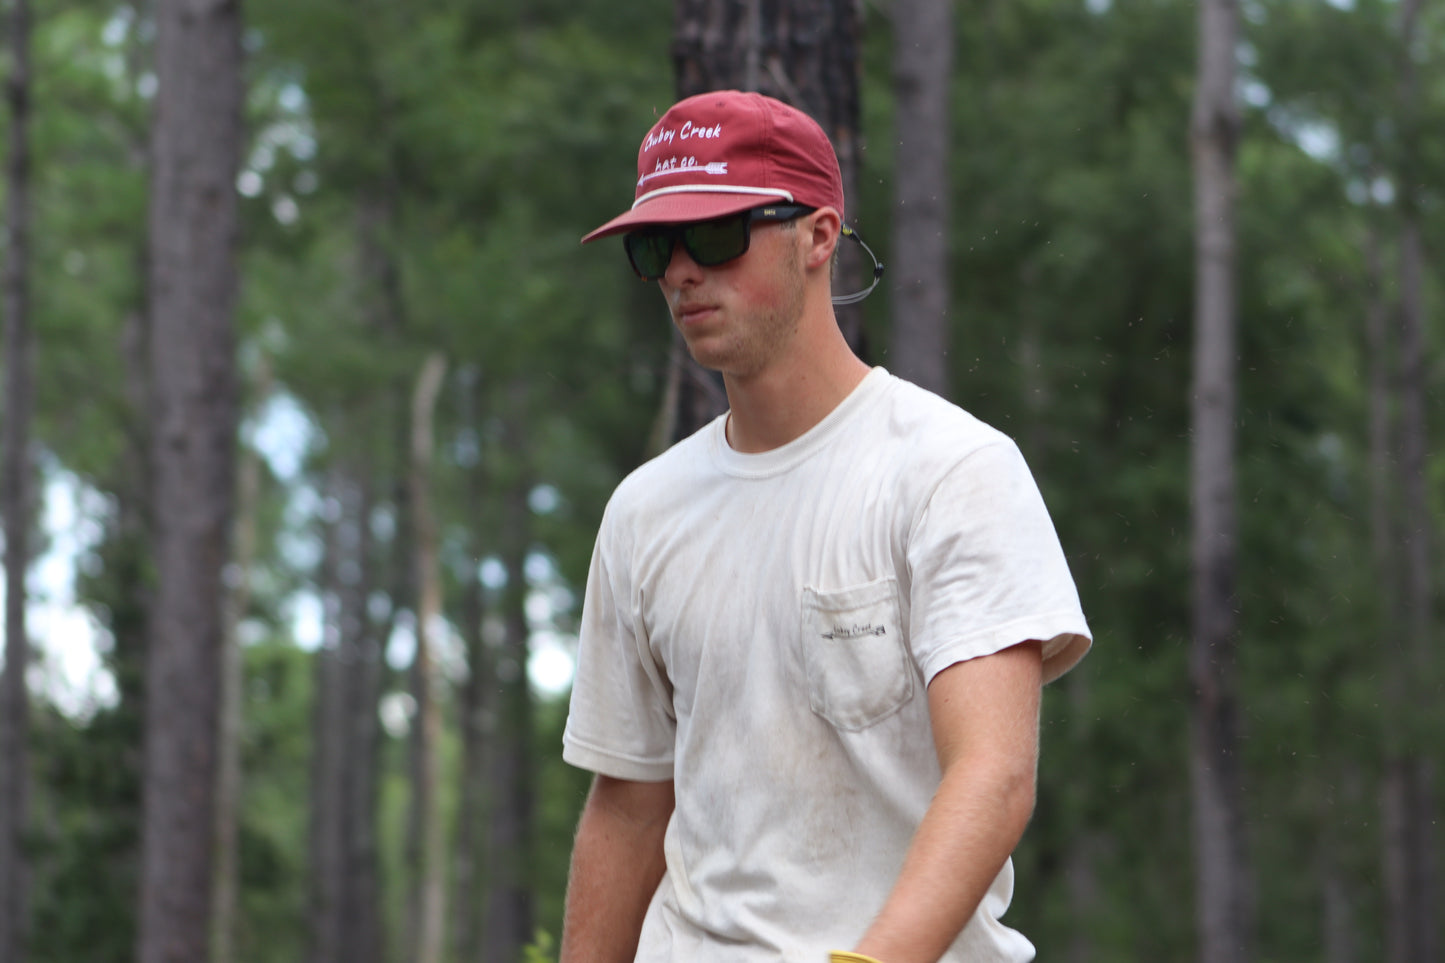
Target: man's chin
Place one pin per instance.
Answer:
(706, 352)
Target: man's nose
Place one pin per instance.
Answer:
(680, 265)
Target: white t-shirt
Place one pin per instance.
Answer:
(761, 628)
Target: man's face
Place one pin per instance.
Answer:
(738, 316)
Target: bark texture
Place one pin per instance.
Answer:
(15, 504)
(326, 837)
(428, 911)
(1409, 797)
(346, 920)
(511, 913)
(195, 149)
(922, 65)
(476, 712)
(804, 53)
(1221, 883)
(225, 899)
(344, 925)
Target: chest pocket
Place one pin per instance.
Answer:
(858, 667)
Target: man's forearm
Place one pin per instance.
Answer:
(617, 863)
(962, 843)
(985, 718)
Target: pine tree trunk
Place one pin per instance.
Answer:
(1418, 528)
(1084, 841)
(328, 752)
(510, 910)
(1397, 860)
(1385, 537)
(1379, 350)
(922, 68)
(474, 801)
(1413, 921)
(361, 936)
(429, 894)
(127, 560)
(344, 925)
(1338, 932)
(1411, 882)
(363, 940)
(804, 53)
(225, 898)
(356, 928)
(196, 139)
(1339, 793)
(15, 505)
(1222, 900)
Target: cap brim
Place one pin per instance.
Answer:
(681, 208)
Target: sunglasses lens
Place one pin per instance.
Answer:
(714, 242)
(708, 243)
(649, 252)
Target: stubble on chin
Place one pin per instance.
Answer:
(741, 341)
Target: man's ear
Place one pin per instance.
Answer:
(825, 228)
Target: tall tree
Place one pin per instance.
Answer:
(326, 836)
(922, 71)
(1380, 433)
(510, 912)
(804, 53)
(15, 499)
(1411, 887)
(345, 923)
(195, 151)
(427, 900)
(343, 900)
(1221, 900)
(474, 706)
(225, 898)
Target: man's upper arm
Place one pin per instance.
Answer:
(985, 726)
(636, 803)
(988, 707)
(617, 863)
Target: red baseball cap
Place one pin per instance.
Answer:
(724, 152)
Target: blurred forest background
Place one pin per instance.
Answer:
(346, 744)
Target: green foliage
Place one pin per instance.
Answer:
(89, 138)
(276, 762)
(418, 179)
(544, 950)
(86, 841)
(561, 790)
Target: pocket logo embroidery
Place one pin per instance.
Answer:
(855, 631)
(859, 670)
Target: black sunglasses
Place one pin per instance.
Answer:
(708, 243)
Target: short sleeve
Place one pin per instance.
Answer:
(987, 570)
(620, 721)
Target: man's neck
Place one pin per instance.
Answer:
(783, 401)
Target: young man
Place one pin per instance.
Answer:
(815, 632)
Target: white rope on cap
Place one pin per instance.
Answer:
(712, 189)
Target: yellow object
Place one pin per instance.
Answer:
(838, 956)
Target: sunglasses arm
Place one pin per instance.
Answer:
(857, 296)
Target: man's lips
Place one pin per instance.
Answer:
(692, 313)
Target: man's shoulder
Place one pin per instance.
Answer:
(927, 426)
(668, 471)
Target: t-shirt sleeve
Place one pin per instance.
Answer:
(987, 571)
(620, 721)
